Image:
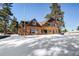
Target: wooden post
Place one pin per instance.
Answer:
(24, 28)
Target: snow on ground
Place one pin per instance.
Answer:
(40, 45)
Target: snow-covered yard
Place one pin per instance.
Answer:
(40, 45)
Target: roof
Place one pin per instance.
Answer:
(30, 23)
(44, 22)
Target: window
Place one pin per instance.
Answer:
(51, 24)
(33, 30)
(34, 23)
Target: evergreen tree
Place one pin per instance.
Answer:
(5, 14)
(1, 26)
(14, 25)
(77, 27)
(65, 30)
(57, 14)
(55, 11)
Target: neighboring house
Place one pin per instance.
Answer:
(50, 26)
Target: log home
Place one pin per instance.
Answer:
(50, 26)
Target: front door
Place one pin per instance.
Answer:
(45, 31)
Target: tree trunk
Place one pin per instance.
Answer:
(5, 28)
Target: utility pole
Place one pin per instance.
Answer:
(24, 28)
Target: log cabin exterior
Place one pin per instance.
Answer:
(50, 26)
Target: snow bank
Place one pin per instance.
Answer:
(72, 33)
(40, 45)
(39, 52)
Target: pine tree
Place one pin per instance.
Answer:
(78, 28)
(1, 26)
(57, 14)
(5, 14)
(14, 25)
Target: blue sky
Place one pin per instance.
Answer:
(39, 11)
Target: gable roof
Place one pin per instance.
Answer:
(31, 23)
(49, 20)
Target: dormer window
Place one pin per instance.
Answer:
(34, 23)
(51, 24)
